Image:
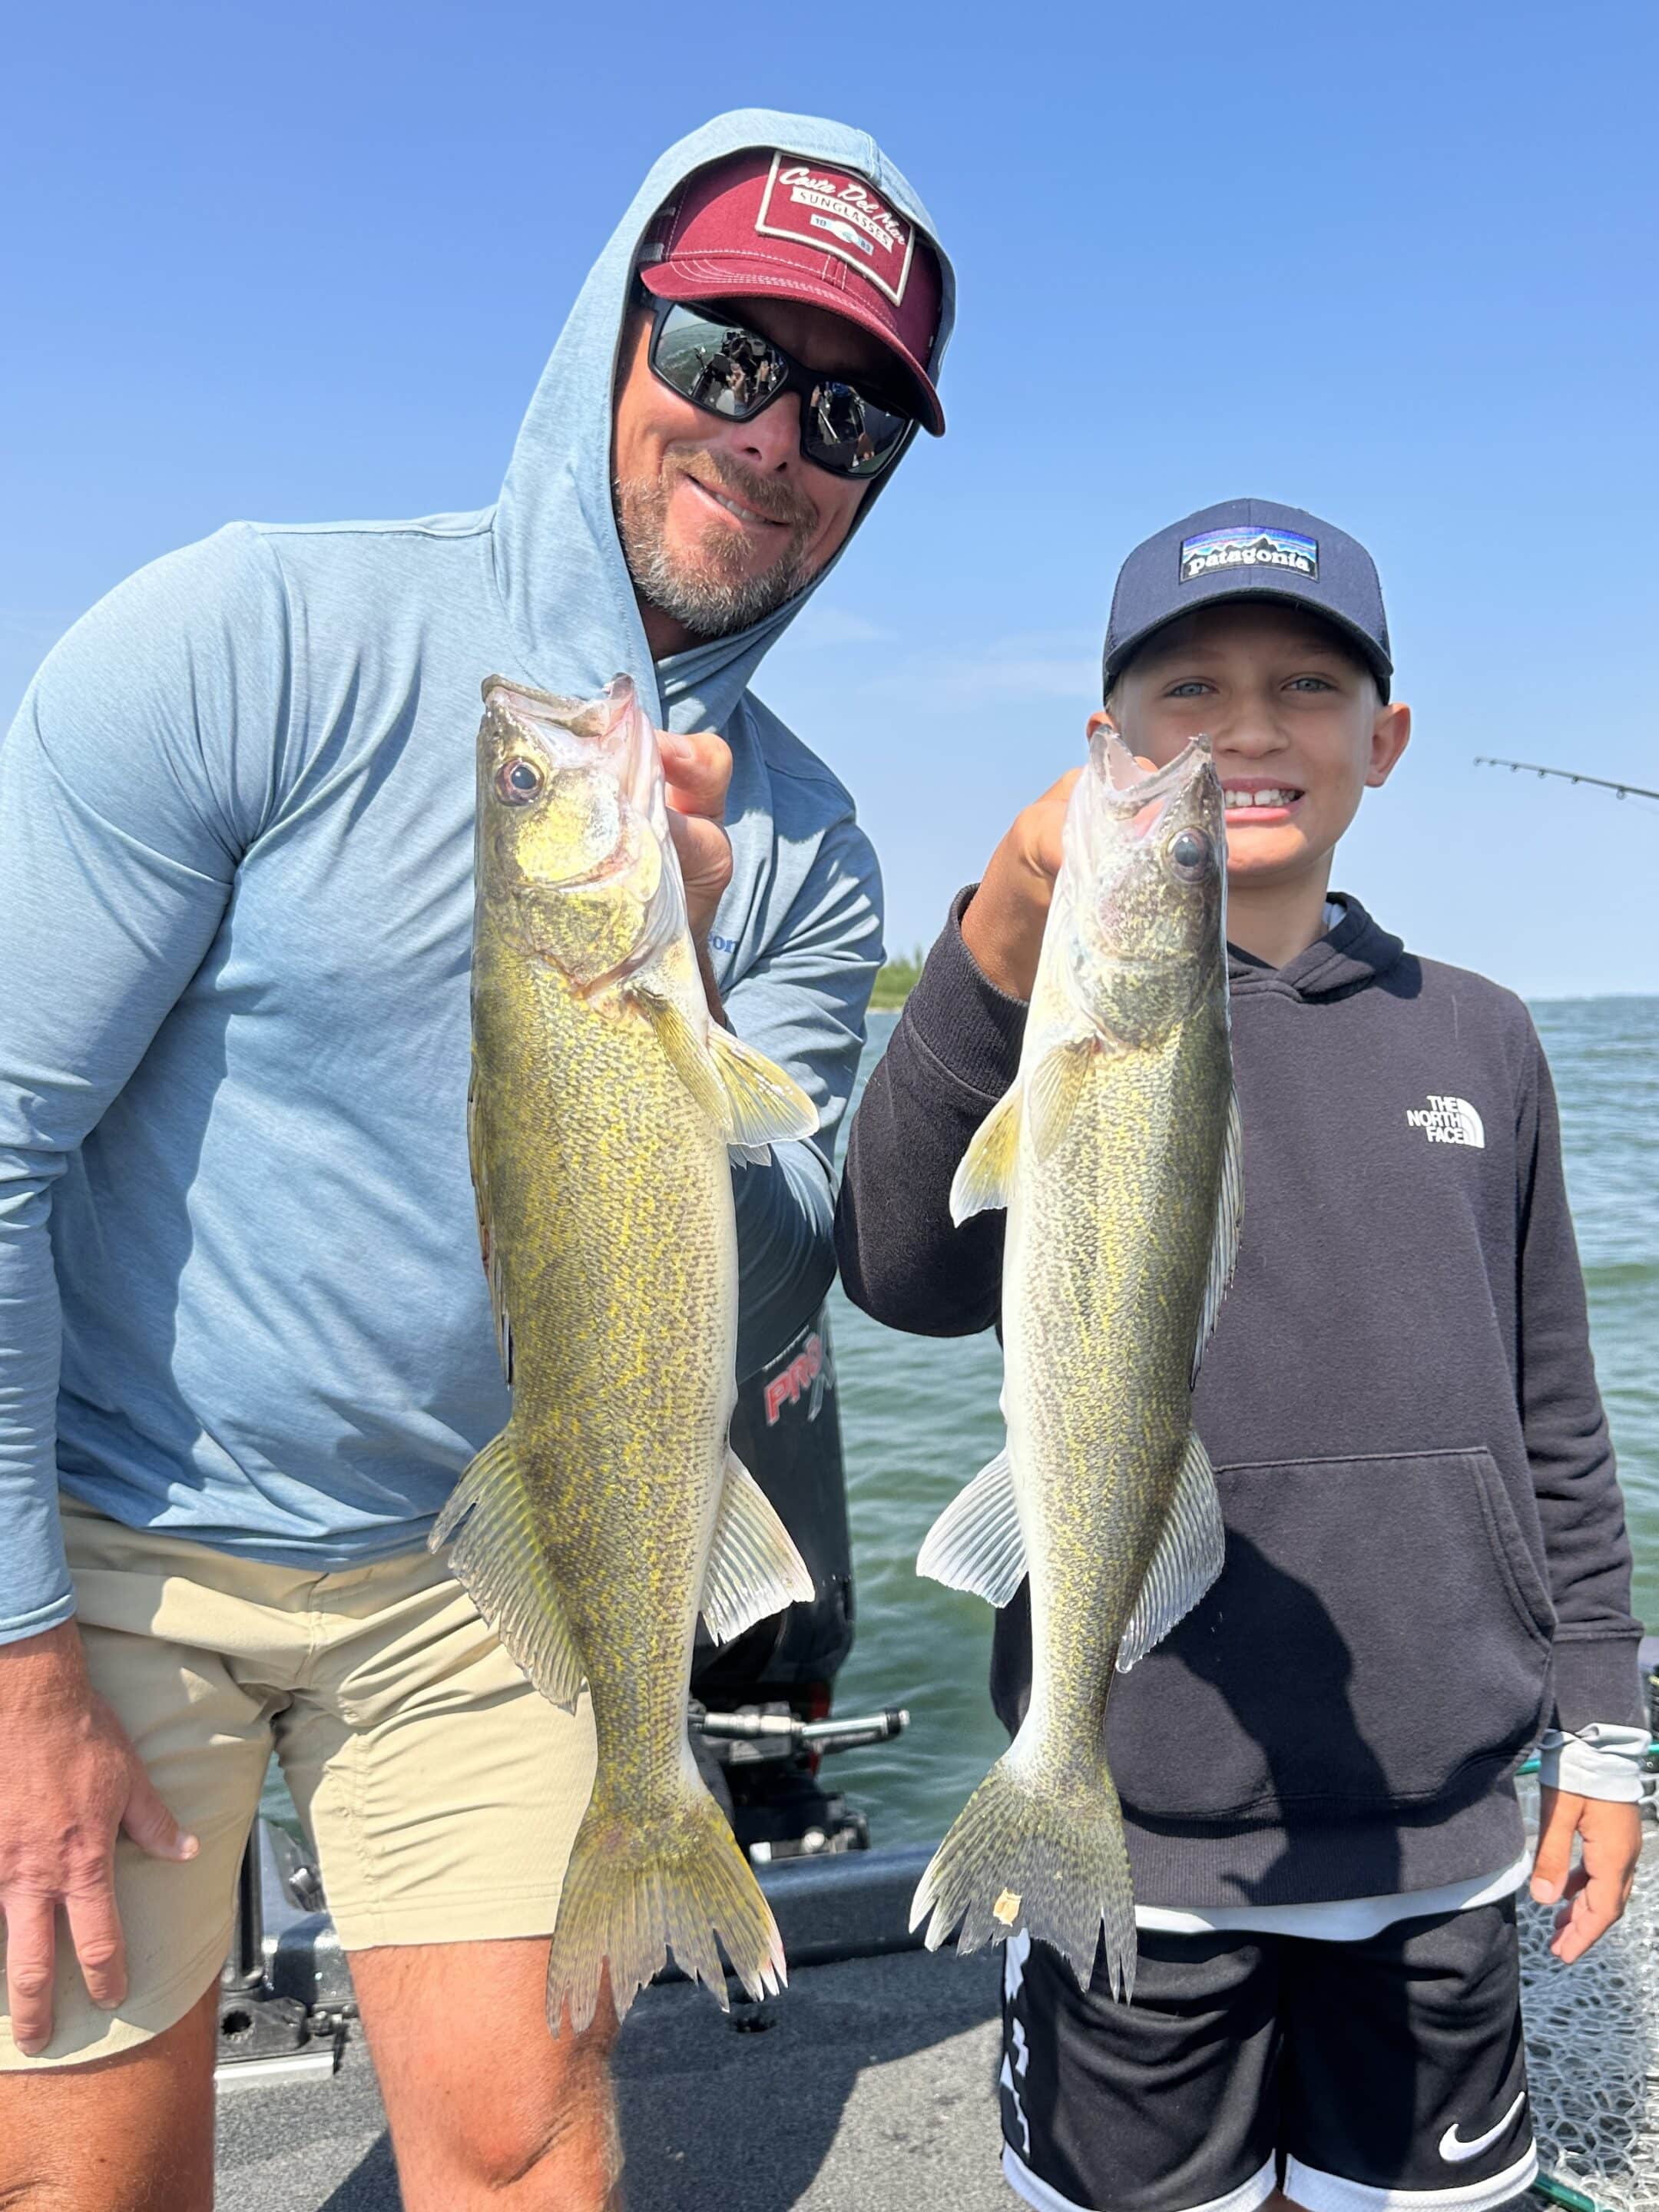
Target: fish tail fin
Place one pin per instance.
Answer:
(1021, 1860)
(636, 1890)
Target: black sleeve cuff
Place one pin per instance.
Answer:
(974, 1030)
(1598, 1678)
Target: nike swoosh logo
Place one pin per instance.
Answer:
(1455, 2150)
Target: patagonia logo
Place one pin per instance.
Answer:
(838, 213)
(1243, 547)
(1448, 1121)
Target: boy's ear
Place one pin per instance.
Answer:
(1390, 735)
(1101, 719)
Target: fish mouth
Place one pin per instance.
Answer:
(1139, 797)
(579, 734)
(567, 728)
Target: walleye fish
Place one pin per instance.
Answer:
(611, 1510)
(1116, 1153)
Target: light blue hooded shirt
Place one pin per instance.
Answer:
(240, 1297)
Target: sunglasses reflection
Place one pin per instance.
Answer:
(735, 372)
(742, 370)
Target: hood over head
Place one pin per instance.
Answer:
(559, 561)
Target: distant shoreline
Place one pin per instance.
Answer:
(898, 978)
(894, 983)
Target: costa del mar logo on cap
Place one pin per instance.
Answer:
(1247, 546)
(838, 213)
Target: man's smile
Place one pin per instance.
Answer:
(750, 517)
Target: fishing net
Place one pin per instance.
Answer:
(1593, 2050)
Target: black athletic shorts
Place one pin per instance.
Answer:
(1359, 2077)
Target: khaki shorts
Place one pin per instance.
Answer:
(441, 1792)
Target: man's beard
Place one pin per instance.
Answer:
(712, 596)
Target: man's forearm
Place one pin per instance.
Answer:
(786, 1249)
(35, 1595)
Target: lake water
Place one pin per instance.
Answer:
(919, 1417)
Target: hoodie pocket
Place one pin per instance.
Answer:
(1379, 1631)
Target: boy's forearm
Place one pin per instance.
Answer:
(954, 1053)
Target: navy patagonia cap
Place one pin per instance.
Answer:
(1249, 549)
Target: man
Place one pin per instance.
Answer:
(245, 1348)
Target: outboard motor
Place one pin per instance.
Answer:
(786, 1431)
(765, 1697)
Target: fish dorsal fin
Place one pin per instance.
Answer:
(1187, 1559)
(754, 1569)
(1052, 1088)
(478, 1154)
(976, 1543)
(751, 1103)
(1229, 1213)
(986, 1175)
(491, 1525)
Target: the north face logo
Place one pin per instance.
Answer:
(1448, 1121)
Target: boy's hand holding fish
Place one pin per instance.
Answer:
(1002, 926)
(1004, 921)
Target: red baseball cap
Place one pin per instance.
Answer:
(764, 225)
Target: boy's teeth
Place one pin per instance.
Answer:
(1261, 797)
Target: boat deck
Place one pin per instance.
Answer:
(872, 2087)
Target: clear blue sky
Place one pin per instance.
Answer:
(1396, 266)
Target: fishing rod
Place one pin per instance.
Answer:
(1571, 774)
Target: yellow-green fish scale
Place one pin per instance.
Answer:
(608, 1203)
(1109, 1251)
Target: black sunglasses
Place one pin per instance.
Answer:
(728, 369)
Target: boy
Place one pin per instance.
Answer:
(1426, 1557)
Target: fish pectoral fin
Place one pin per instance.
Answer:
(986, 1176)
(691, 1060)
(489, 1524)
(753, 1568)
(1229, 1213)
(1054, 1087)
(1187, 1559)
(976, 1544)
(751, 1103)
(764, 1105)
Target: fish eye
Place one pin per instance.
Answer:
(517, 782)
(1189, 855)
